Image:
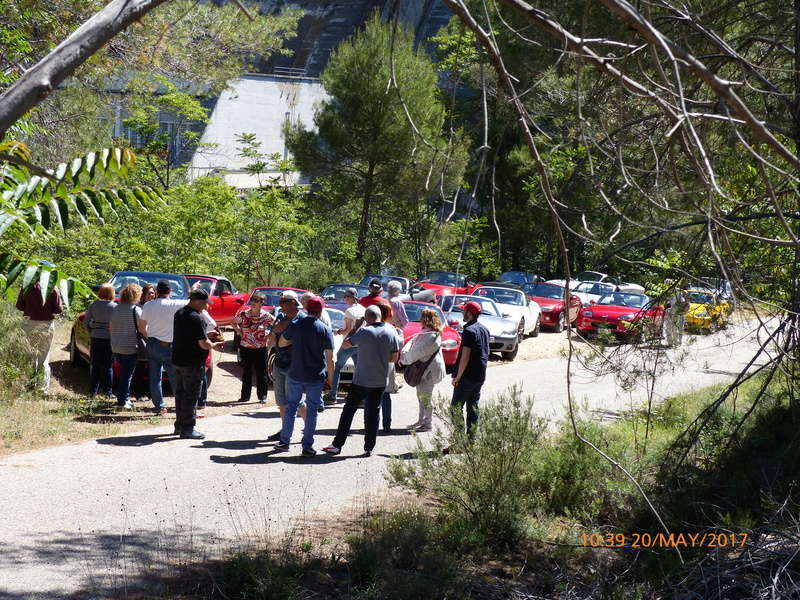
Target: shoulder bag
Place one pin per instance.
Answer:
(141, 343)
(413, 373)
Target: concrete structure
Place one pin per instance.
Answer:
(258, 104)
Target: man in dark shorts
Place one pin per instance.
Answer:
(470, 370)
(190, 347)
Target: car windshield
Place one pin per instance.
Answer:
(588, 276)
(176, 282)
(271, 295)
(456, 303)
(621, 299)
(335, 293)
(384, 279)
(700, 298)
(543, 290)
(445, 278)
(600, 289)
(502, 295)
(518, 277)
(336, 317)
(414, 310)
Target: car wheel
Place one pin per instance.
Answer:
(520, 332)
(713, 327)
(75, 358)
(236, 341)
(561, 323)
(511, 354)
(270, 366)
(537, 327)
(209, 374)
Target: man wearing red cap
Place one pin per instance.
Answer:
(470, 370)
(312, 365)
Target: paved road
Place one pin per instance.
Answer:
(90, 515)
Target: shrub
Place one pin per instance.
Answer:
(403, 556)
(481, 484)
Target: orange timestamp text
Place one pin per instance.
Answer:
(665, 540)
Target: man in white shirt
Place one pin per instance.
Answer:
(156, 325)
(354, 313)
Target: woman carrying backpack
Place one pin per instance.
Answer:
(423, 353)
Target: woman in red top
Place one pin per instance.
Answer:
(253, 326)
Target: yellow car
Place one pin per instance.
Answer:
(707, 311)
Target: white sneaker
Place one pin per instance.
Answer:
(126, 406)
(422, 428)
(413, 425)
(333, 450)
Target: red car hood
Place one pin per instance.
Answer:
(543, 301)
(443, 290)
(615, 311)
(414, 327)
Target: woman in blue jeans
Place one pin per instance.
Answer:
(96, 322)
(122, 328)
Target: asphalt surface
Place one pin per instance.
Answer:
(84, 520)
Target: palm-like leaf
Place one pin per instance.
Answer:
(41, 201)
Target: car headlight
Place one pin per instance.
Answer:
(449, 344)
(512, 331)
(627, 317)
(588, 313)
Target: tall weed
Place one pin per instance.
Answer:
(16, 356)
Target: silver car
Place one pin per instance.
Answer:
(503, 333)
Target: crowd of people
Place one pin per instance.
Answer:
(173, 338)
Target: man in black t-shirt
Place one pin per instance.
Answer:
(470, 370)
(190, 348)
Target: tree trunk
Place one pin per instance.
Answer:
(366, 204)
(37, 83)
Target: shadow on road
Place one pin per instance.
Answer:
(138, 440)
(275, 456)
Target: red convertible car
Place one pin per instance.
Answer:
(628, 316)
(225, 301)
(444, 283)
(550, 299)
(451, 340)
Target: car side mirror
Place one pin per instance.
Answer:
(226, 293)
(506, 315)
(453, 323)
(592, 301)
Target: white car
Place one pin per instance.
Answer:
(590, 291)
(514, 304)
(597, 277)
(337, 322)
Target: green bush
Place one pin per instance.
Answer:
(404, 556)
(481, 485)
(16, 367)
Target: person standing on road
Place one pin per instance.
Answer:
(289, 313)
(374, 296)
(312, 366)
(190, 346)
(252, 327)
(378, 347)
(353, 313)
(675, 318)
(96, 321)
(426, 346)
(39, 324)
(122, 329)
(156, 325)
(470, 368)
(399, 317)
(391, 386)
(323, 317)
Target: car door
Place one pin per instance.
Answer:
(228, 304)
